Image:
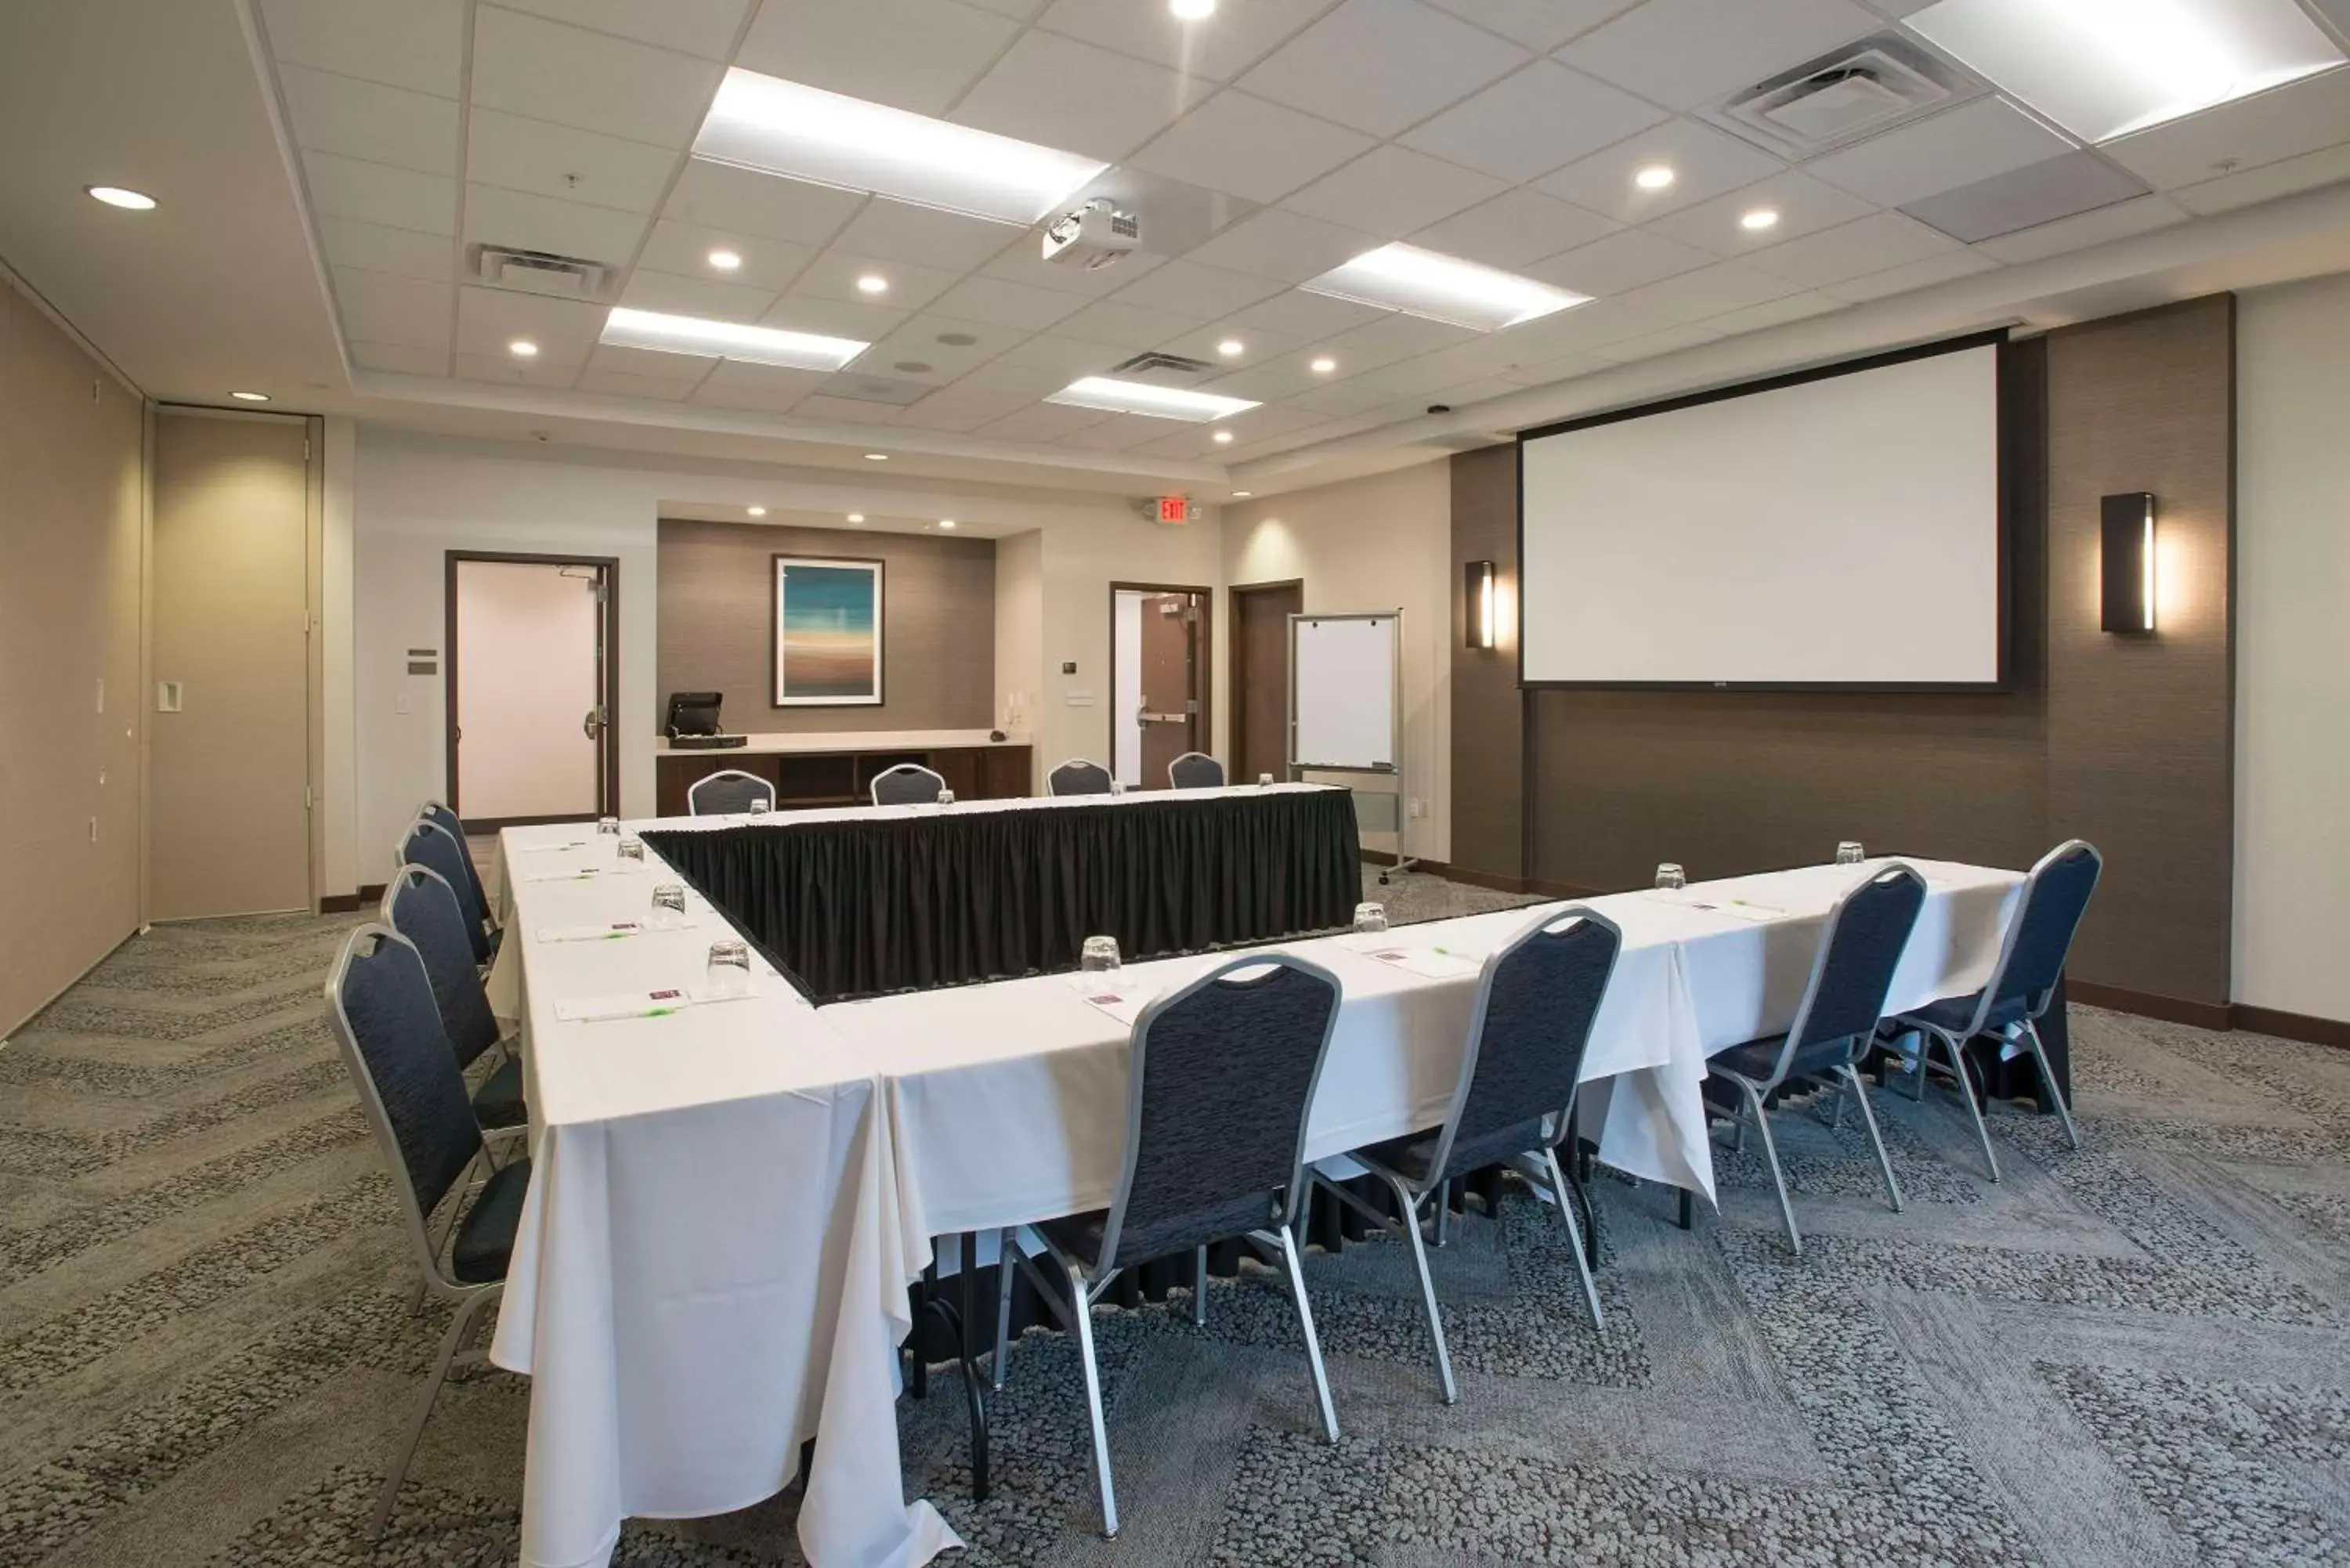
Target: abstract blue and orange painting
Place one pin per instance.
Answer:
(827, 632)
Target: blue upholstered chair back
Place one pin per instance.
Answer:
(1196, 770)
(433, 811)
(727, 792)
(1532, 1022)
(380, 1003)
(421, 906)
(907, 784)
(430, 845)
(1859, 953)
(1078, 776)
(2055, 896)
(1223, 1074)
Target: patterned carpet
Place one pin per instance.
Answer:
(2133, 1355)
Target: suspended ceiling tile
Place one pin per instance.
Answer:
(719, 196)
(1392, 191)
(1621, 261)
(685, 249)
(1867, 244)
(703, 27)
(1536, 23)
(1705, 164)
(590, 82)
(367, 119)
(2301, 117)
(1709, 291)
(1533, 121)
(917, 54)
(416, 44)
(1958, 147)
(1513, 229)
(1236, 37)
(1684, 53)
(1285, 245)
(2023, 198)
(375, 247)
(1381, 65)
(676, 294)
(1060, 93)
(569, 165)
(495, 216)
(1249, 147)
(1805, 206)
(406, 313)
(379, 193)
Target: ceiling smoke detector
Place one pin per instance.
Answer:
(544, 272)
(1857, 91)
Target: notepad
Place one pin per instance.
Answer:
(583, 873)
(632, 1005)
(611, 930)
(1736, 908)
(1125, 1006)
(1430, 963)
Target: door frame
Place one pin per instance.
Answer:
(1204, 674)
(1236, 688)
(607, 786)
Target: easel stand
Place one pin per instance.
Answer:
(1346, 705)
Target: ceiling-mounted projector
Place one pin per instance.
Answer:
(1095, 235)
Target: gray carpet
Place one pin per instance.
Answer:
(2133, 1355)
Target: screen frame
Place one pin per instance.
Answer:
(2003, 484)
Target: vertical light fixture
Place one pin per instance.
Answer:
(1477, 589)
(2127, 522)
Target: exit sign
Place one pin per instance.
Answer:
(1174, 509)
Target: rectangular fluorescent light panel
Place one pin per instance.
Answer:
(1441, 288)
(728, 340)
(1142, 398)
(2104, 68)
(805, 133)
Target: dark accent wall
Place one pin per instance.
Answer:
(2124, 742)
(938, 624)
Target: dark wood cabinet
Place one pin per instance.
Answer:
(806, 779)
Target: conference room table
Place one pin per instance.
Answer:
(731, 1201)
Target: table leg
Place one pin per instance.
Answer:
(1689, 1210)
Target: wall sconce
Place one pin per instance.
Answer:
(1477, 587)
(2129, 561)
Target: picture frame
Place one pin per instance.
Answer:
(827, 624)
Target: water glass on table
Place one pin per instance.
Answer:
(760, 806)
(1848, 853)
(669, 907)
(1264, 781)
(607, 824)
(633, 849)
(946, 797)
(1370, 917)
(729, 972)
(1670, 875)
(1099, 956)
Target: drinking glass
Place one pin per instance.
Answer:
(607, 824)
(1848, 853)
(1118, 786)
(760, 806)
(632, 849)
(669, 907)
(946, 797)
(730, 969)
(1370, 917)
(1099, 956)
(1264, 781)
(1670, 876)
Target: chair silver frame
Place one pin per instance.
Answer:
(1175, 782)
(2023, 1032)
(432, 811)
(902, 770)
(508, 1042)
(1542, 1170)
(430, 1243)
(464, 857)
(1084, 1289)
(693, 808)
(1754, 1092)
(1052, 779)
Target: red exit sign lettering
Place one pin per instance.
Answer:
(1174, 509)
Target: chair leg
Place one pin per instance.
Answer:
(1443, 1209)
(1427, 1286)
(460, 1326)
(1200, 1288)
(1005, 1245)
(1771, 1157)
(2048, 1081)
(1851, 1075)
(1313, 1343)
(1957, 1054)
(1575, 1233)
(1082, 1314)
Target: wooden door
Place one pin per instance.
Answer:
(229, 766)
(1169, 712)
(1260, 678)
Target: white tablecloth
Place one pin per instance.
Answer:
(711, 1265)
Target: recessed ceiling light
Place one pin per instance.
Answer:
(1243, 495)
(1760, 219)
(872, 283)
(1192, 10)
(806, 133)
(757, 511)
(117, 196)
(877, 457)
(1224, 437)
(726, 260)
(1142, 398)
(2104, 68)
(523, 349)
(250, 397)
(1323, 366)
(856, 517)
(946, 521)
(1655, 177)
(1441, 288)
(1232, 348)
(662, 334)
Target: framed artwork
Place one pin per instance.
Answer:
(828, 629)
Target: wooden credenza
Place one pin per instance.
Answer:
(838, 770)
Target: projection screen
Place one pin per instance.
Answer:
(1839, 530)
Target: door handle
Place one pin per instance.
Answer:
(593, 724)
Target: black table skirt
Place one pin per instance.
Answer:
(866, 906)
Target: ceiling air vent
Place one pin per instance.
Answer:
(542, 272)
(1859, 90)
(1164, 367)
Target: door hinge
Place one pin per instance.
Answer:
(307, 803)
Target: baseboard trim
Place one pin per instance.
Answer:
(2303, 1026)
(366, 897)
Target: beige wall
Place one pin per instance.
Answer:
(1375, 544)
(72, 527)
(717, 624)
(2293, 648)
(1020, 636)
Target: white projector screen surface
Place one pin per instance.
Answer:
(1840, 532)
